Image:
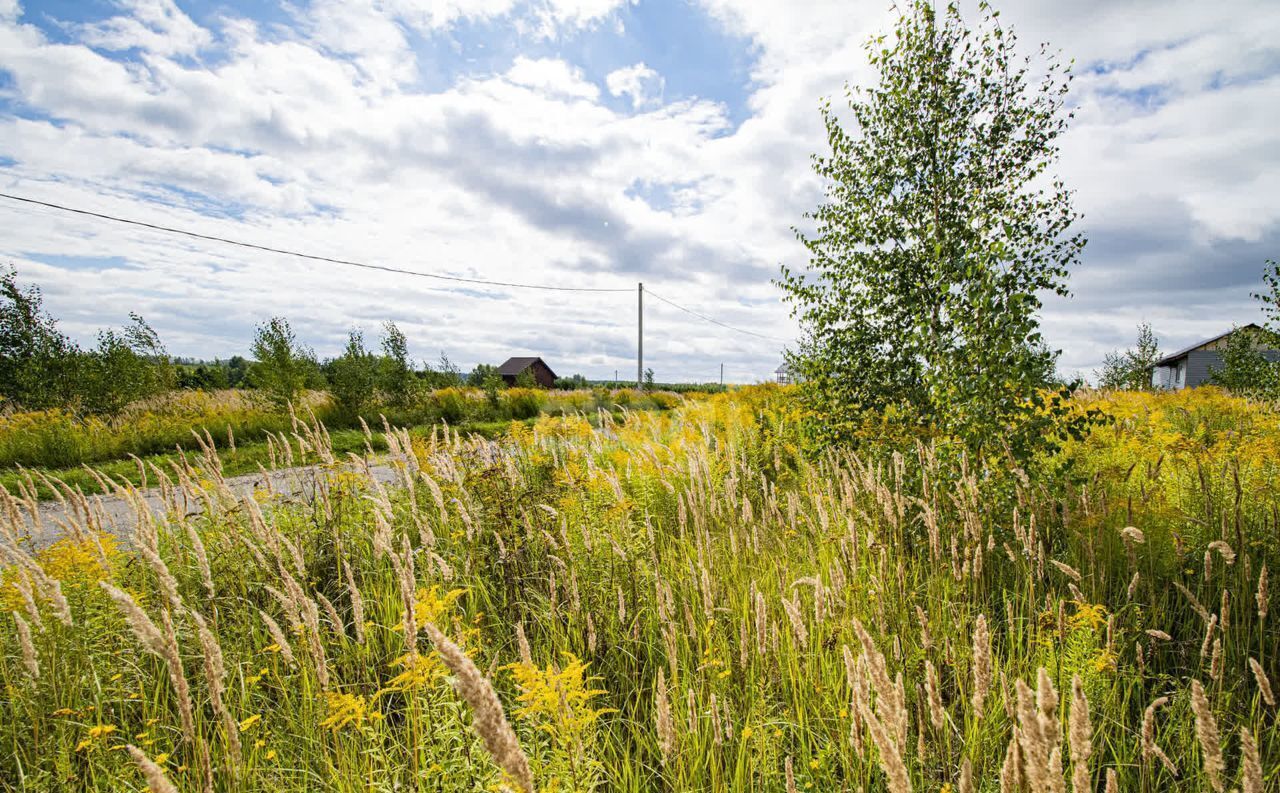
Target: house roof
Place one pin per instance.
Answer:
(1171, 357)
(515, 366)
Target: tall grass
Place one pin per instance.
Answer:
(671, 601)
(58, 438)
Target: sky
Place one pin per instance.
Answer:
(580, 143)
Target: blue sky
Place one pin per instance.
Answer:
(578, 142)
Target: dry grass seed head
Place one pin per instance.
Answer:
(488, 718)
(29, 658)
(1208, 736)
(157, 782)
(1081, 738)
(1264, 683)
(1250, 763)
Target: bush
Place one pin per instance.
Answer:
(524, 403)
(353, 377)
(283, 366)
(623, 397)
(127, 366)
(664, 400)
(398, 381)
(451, 404)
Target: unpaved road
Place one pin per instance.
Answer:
(120, 520)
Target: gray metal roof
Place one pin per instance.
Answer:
(1171, 357)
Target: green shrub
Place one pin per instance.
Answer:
(524, 403)
(664, 400)
(451, 404)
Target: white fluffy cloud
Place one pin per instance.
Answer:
(154, 26)
(320, 137)
(642, 85)
(552, 77)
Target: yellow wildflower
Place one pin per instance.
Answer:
(248, 723)
(420, 672)
(346, 709)
(430, 605)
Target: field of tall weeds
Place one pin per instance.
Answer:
(60, 438)
(673, 601)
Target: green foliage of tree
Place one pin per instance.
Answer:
(126, 366)
(38, 363)
(203, 377)
(486, 378)
(237, 371)
(1245, 368)
(353, 376)
(40, 367)
(572, 382)
(445, 374)
(941, 227)
(1132, 369)
(397, 380)
(648, 379)
(525, 379)
(282, 366)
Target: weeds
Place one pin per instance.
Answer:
(669, 601)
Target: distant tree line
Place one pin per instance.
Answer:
(41, 367)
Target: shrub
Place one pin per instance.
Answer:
(451, 404)
(353, 376)
(397, 379)
(664, 400)
(283, 364)
(524, 403)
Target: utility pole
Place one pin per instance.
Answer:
(721, 375)
(640, 335)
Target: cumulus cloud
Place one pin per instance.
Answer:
(642, 85)
(155, 26)
(553, 77)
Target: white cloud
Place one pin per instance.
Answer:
(554, 16)
(436, 14)
(642, 85)
(553, 77)
(155, 26)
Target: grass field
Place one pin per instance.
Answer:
(237, 424)
(674, 601)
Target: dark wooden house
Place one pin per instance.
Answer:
(542, 374)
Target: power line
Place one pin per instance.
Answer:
(366, 265)
(712, 320)
(313, 257)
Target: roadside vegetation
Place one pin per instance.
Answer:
(62, 407)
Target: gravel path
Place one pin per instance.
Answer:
(119, 515)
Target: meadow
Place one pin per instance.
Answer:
(60, 442)
(676, 600)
